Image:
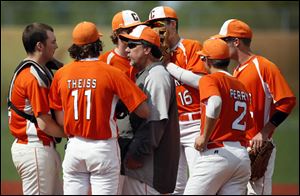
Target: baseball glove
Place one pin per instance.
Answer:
(260, 160)
(163, 33)
(54, 64)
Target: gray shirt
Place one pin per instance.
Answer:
(156, 140)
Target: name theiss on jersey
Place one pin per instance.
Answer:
(82, 83)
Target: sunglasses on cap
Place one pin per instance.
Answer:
(132, 44)
(158, 24)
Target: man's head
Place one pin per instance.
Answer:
(86, 41)
(123, 22)
(237, 35)
(215, 52)
(38, 37)
(164, 20)
(143, 45)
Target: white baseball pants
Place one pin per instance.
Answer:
(91, 163)
(222, 171)
(132, 186)
(39, 167)
(189, 130)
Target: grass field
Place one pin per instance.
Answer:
(286, 136)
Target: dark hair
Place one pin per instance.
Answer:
(246, 41)
(220, 63)
(155, 51)
(114, 36)
(34, 33)
(89, 50)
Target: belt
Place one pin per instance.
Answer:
(190, 116)
(45, 143)
(219, 144)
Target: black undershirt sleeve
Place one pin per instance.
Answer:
(278, 117)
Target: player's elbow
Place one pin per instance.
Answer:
(143, 110)
(49, 126)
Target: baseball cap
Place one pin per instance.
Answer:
(162, 12)
(234, 28)
(125, 19)
(215, 49)
(142, 32)
(85, 33)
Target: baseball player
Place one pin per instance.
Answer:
(33, 151)
(85, 93)
(122, 22)
(151, 159)
(223, 164)
(184, 58)
(271, 98)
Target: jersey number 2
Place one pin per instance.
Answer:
(87, 93)
(237, 123)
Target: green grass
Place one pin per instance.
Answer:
(287, 144)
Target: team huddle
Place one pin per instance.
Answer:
(157, 114)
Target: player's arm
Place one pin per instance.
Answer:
(142, 110)
(213, 109)
(282, 110)
(49, 126)
(59, 117)
(183, 75)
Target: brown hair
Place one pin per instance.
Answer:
(34, 33)
(89, 50)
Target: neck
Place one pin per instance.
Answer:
(244, 56)
(120, 52)
(36, 58)
(214, 69)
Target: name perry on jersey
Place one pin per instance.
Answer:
(239, 95)
(82, 83)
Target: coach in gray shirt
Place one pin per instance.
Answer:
(151, 160)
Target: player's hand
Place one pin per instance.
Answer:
(200, 143)
(256, 142)
(132, 163)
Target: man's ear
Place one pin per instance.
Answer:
(39, 46)
(147, 50)
(236, 42)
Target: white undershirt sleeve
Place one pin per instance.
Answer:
(183, 75)
(213, 107)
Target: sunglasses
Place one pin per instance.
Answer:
(132, 45)
(158, 24)
(229, 39)
(203, 58)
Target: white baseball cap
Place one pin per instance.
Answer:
(125, 19)
(162, 12)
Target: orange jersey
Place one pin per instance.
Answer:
(235, 118)
(88, 92)
(122, 63)
(185, 56)
(266, 86)
(28, 96)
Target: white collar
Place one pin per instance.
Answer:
(90, 59)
